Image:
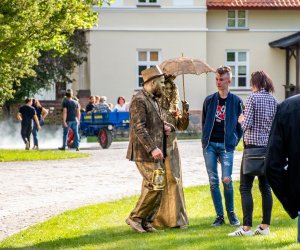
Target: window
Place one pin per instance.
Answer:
(237, 19)
(239, 64)
(146, 59)
(147, 2)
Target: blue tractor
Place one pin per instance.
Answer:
(102, 125)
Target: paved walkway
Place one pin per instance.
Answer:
(31, 192)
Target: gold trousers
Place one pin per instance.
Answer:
(172, 211)
(150, 199)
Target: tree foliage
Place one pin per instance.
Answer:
(28, 27)
(54, 67)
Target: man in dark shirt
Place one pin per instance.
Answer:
(221, 132)
(91, 104)
(71, 119)
(26, 115)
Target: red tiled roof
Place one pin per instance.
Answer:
(256, 4)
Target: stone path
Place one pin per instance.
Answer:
(31, 192)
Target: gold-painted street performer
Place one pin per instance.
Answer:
(172, 210)
(146, 148)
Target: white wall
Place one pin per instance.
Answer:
(114, 67)
(122, 31)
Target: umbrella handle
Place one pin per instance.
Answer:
(183, 87)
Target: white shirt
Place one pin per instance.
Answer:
(118, 108)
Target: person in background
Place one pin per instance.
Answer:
(172, 210)
(121, 105)
(221, 132)
(26, 115)
(256, 123)
(282, 158)
(71, 119)
(91, 105)
(97, 99)
(41, 113)
(102, 106)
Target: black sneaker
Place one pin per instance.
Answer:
(219, 221)
(233, 219)
(62, 148)
(77, 149)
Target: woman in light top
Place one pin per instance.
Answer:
(121, 106)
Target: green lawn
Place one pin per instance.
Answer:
(102, 226)
(35, 155)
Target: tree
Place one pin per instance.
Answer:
(54, 67)
(28, 27)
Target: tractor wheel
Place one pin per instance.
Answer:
(105, 138)
(71, 137)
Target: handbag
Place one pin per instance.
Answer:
(254, 161)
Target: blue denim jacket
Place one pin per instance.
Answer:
(233, 130)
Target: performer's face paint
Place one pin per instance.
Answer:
(158, 83)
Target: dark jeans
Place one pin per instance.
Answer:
(246, 184)
(35, 132)
(26, 131)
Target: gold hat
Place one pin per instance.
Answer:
(151, 73)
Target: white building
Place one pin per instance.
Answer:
(135, 34)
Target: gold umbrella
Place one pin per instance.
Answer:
(185, 65)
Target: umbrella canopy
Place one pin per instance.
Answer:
(184, 65)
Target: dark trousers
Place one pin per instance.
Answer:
(246, 184)
(26, 131)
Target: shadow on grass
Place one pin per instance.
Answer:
(199, 235)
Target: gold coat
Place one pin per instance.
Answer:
(172, 210)
(146, 128)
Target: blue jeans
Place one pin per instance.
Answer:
(35, 132)
(74, 126)
(216, 151)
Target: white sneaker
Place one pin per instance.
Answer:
(259, 231)
(241, 232)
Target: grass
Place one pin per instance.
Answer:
(102, 226)
(240, 146)
(35, 155)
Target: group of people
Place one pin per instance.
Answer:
(224, 122)
(154, 117)
(99, 104)
(32, 116)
